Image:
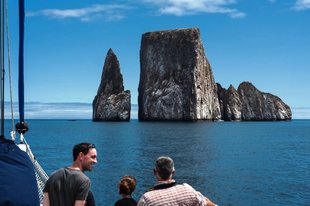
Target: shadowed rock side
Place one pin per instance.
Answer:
(176, 81)
(111, 103)
(230, 103)
(250, 104)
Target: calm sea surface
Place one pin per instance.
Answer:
(232, 163)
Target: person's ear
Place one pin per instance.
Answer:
(81, 155)
(154, 172)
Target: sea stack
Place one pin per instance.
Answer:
(111, 103)
(249, 104)
(176, 81)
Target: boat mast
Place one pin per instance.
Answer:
(21, 126)
(21, 60)
(2, 67)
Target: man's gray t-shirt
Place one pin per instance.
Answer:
(65, 186)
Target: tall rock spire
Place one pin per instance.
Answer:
(111, 103)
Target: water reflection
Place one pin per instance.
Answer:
(189, 145)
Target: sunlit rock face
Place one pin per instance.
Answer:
(176, 81)
(260, 106)
(249, 104)
(111, 103)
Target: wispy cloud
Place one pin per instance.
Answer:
(302, 5)
(38, 110)
(115, 12)
(110, 12)
(301, 112)
(192, 7)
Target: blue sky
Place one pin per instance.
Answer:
(265, 42)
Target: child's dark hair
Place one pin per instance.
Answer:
(127, 185)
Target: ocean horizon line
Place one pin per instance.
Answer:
(81, 110)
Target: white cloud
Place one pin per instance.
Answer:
(107, 11)
(37, 110)
(115, 12)
(301, 112)
(302, 5)
(191, 7)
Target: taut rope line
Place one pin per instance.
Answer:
(9, 65)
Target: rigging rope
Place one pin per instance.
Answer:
(2, 67)
(9, 65)
(41, 175)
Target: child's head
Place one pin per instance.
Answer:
(127, 185)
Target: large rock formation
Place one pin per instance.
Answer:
(111, 103)
(250, 104)
(176, 81)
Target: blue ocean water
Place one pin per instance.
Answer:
(232, 163)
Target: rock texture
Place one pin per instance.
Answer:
(230, 102)
(250, 104)
(111, 103)
(176, 81)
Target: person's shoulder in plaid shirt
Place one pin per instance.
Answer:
(167, 192)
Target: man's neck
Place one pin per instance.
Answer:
(168, 181)
(163, 184)
(76, 166)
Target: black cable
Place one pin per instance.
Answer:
(2, 66)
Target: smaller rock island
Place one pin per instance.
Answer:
(247, 103)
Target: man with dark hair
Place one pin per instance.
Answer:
(69, 186)
(167, 192)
